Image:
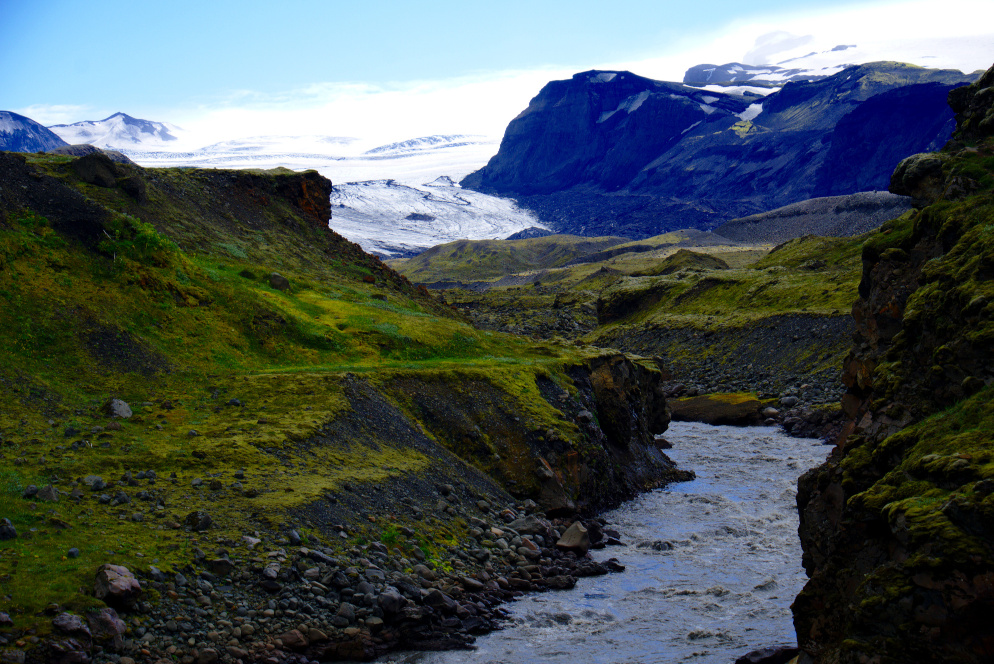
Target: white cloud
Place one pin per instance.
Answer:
(51, 114)
(482, 104)
(911, 31)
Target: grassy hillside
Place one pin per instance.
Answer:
(485, 260)
(279, 378)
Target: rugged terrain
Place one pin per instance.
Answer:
(294, 450)
(612, 153)
(722, 318)
(896, 526)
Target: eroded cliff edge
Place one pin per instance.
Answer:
(898, 525)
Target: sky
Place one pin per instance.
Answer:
(401, 69)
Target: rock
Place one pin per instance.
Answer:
(294, 538)
(221, 566)
(780, 655)
(95, 482)
(789, 402)
(106, 627)
(530, 525)
(30, 492)
(391, 602)
(585, 416)
(7, 530)
(730, 409)
(5, 620)
(575, 539)
(436, 599)
(294, 640)
(198, 521)
(316, 636)
(279, 282)
(72, 553)
(116, 408)
(234, 402)
(72, 625)
(207, 656)
(470, 584)
(117, 586)
(49, 494)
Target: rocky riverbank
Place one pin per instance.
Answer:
(287, 602)
(896, 525)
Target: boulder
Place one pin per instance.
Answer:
(732, 409)
(198, 521)
(117, 586)
(116, 408)
(95, 482)
(279, 282)
(575, 539)
(7, 530)
(49, 494)
(71, 624)
(530, 525)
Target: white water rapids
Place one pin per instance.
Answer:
(712, 565)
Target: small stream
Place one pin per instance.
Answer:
(712, 565)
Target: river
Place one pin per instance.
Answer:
(712, 565)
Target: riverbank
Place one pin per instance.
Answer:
(712, 565)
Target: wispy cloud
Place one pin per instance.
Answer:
(908, 30)
(50, 114)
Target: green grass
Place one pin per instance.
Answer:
(172, 311)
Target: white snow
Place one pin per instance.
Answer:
(629, 105)
(603, 77)
(709, 100)
(734, 89)
(751, 112)
(691, 126)
(707, 109)
(445, 212)
(119, 131)
(377, 187)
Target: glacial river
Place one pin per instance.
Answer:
(712, 565)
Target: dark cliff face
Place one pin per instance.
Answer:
(597, 129)
(607, 151)
(897, 526)
(21, 134)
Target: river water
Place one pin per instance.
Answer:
(712, 565)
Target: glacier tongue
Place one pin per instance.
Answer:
(394, 219)
(397, 199)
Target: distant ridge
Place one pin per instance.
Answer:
(831, 216)
(118, 131)
(22, 134)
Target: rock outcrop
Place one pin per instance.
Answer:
(896, 525)
(615, 153)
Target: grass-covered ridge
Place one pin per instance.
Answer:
(263, 358)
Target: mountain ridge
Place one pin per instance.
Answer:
(614, 153)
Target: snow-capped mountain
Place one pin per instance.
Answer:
(392, 219)
(119, 131)
(21, 134)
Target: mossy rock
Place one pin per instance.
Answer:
(736, 409)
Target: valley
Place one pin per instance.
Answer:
(272, 446)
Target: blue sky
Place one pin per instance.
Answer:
(245, 62)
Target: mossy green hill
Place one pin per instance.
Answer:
(279, 379)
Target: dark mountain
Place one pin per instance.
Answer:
(615, 153)
(21, 134)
